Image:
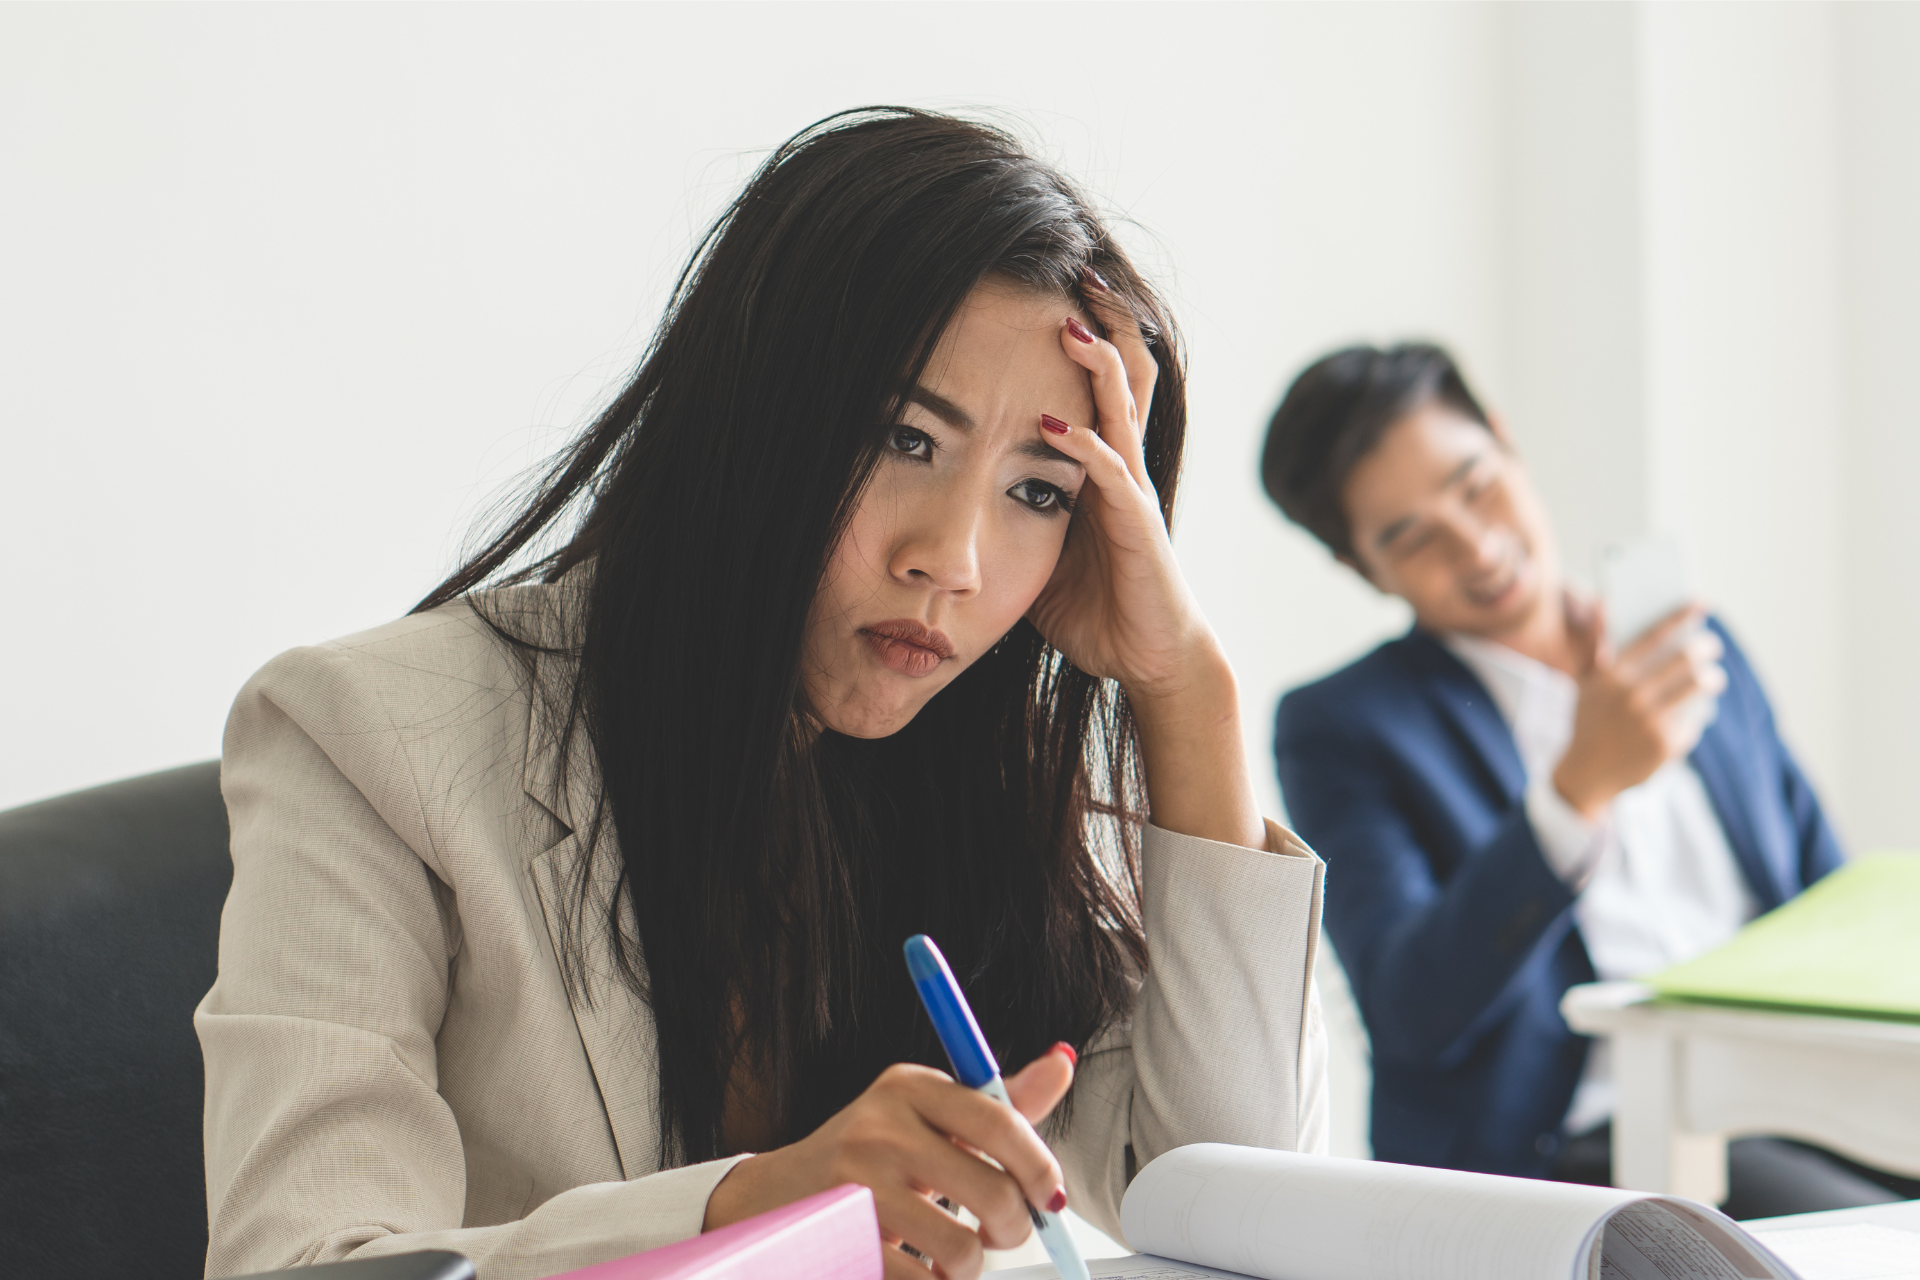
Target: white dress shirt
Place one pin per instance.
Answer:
(1656, 879)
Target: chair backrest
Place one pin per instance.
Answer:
(109, 935)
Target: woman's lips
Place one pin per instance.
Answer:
(906, 646)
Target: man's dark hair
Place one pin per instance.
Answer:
(1335, 413)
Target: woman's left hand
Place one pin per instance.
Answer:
(1117, 604)
(1119, 607)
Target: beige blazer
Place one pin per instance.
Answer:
(393, 1061)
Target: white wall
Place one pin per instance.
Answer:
(1877, 49)
(1675, 316)
(1576, 288)
(1744, 401)
(1712, 276)
(290, 289)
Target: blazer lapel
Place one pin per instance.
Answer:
(616, 1026)
(1466, 703)
(1717, 760)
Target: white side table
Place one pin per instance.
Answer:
(1688, 1077)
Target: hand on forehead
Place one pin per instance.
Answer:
(999, 365)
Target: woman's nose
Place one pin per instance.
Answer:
(940, 547)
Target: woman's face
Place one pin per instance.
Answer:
(962, 523)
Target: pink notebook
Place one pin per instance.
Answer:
(830, 1236)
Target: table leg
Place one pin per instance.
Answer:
(1652, 1151)
(1643, 1110)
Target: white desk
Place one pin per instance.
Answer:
(1890, 1247)
(1688, 1077)
(1904, 1216)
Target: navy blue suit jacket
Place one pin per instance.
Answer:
(1456, 936)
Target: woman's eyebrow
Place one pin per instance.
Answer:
(1043, 451)
(949, 412)
(954, 416)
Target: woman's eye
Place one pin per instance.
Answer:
(912, 442)
(1039, 495)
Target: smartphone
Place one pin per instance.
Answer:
(1642, 581)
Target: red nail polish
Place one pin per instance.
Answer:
(1062, 1047)
(1054, 424)
(1058, 1202)
(1091, 279)
(1078, 330)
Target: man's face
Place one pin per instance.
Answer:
(1444, 516)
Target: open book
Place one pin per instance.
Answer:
(1211, 1210)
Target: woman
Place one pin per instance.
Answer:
(557, 901)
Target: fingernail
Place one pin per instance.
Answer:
(1058, 428)
(1078, 330)
(1091, 278)
(1058, 1202)
(1073, 1059)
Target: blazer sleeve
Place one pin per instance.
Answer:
(325, 1136)
(1817, 847)
(1430, 960)
(1225, 1042)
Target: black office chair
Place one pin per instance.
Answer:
(109, 935)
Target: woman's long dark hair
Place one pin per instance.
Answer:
(772, 873)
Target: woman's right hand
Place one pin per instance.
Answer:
(913, 1137)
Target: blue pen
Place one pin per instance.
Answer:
(974, 1067)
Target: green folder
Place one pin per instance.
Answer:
(1850, 944)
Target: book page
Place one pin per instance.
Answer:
(1279, 1215)
(1668, 1240)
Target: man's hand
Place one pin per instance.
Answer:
(1637, 710)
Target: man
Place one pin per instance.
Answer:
(1507, 807)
